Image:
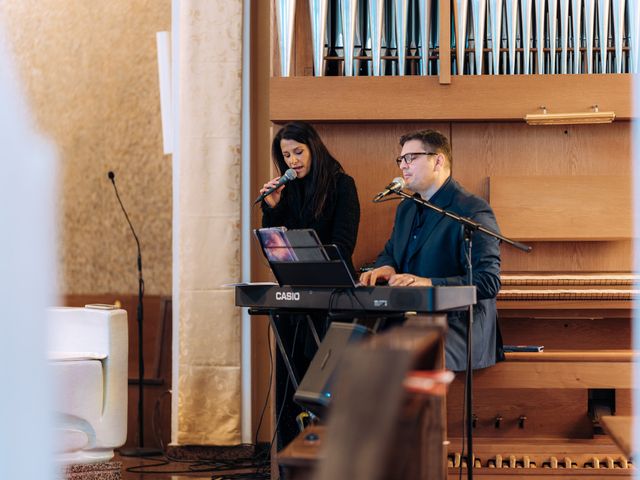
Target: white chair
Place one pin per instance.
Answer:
(88, 353)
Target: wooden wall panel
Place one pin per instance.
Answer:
(261, 33)
(481, 150)
(472, 97)
(444, 42)
(563, 207)
(568, 333)
(367, 153)
(484, 149)
(302, 61)
(564, 417)
(301, 49)
(570, 257)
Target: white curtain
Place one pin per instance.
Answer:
(207, 173)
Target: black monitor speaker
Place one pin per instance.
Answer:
(315, 391)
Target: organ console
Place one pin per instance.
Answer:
(543, 410)
(568, 288)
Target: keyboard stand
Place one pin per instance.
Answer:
(283, 352)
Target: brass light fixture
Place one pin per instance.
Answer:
(545, 118)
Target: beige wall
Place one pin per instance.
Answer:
(89, 70)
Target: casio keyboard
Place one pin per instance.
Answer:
(273, 300)
(262, 299)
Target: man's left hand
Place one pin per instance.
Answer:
(408, 280)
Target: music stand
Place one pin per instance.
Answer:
(298, 259)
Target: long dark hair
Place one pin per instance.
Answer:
(324, 166)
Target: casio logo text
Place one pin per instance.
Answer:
(289, 296)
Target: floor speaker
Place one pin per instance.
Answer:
(315, 390)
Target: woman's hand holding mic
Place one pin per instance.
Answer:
(273, 198)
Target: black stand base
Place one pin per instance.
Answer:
(140, 452)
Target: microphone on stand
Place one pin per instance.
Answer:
(287, 177)
(140, 450)
(398, 183)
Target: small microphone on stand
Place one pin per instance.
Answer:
(140, 450)
(398, 183)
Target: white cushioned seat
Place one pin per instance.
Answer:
(88, 349)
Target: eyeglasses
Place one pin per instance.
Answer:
(410, 157)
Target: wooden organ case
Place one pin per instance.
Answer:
(563, 188)
(544, 409)
(555, 399)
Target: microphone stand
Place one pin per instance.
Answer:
(140, 450)
(470, 227)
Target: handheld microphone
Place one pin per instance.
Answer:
(287, 177)
(397, 184)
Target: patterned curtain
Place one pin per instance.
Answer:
(206, 410)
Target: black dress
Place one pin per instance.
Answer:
(338, 224)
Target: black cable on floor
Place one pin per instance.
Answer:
(260, 461)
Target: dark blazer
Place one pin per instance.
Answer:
(440, 256)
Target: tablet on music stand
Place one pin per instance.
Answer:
(275, 244)
(298, 259)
